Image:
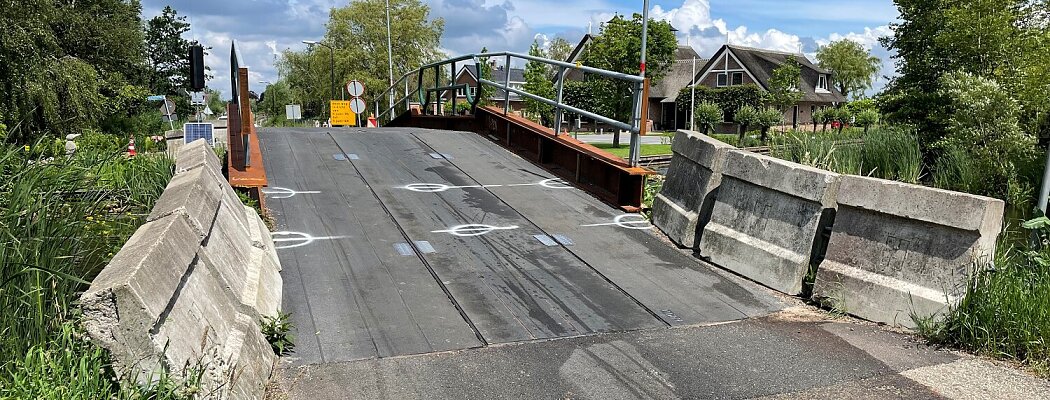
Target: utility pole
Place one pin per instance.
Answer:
(636, 145)
(331, 50)
(692, 98)
(390, 53)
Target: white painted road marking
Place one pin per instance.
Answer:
(303, 238)
(277, 192)
(628, 221)
(554, 183)
(474, 229)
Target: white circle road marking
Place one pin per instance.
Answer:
(278, 192)
(554, 183)
(303, 239)
(473, 229)
(628, 221)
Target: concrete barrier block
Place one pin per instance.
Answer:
(196, 154)
(194, 195)
(228, 249)
(198, 323)
(262, 237)
(683, 205)
(898, 249)
(270, 286)
(766, 218)
(254, 363)
(127, 299)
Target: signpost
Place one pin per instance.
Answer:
(293, 112)
(357, 105)
(342, 114)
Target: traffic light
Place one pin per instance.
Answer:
(197, 67)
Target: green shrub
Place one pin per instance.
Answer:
(708, 114)
(866, 118)
(745, 116)
(768, 118)
(277, 330)
(983, 128)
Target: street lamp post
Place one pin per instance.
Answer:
(640, 119)
(389, 54)
(272, 100)
(331, 50)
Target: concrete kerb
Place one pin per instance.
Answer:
(898, 250)
(684, 203)
(767, 217)
(190, 287)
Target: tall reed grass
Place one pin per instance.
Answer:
(882, 153)
(61, 220)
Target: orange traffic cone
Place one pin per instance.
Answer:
(131, 147)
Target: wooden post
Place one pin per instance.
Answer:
(644, 128)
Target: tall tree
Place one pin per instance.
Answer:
(358, 34)
(618, 47)
(853, 65)
(485, 92)
(558, 49)
(538, 83)
(785, 85)
(67, 65)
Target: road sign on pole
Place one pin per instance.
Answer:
(293, 112)
(355, 88)
(357, 105)
(342, 114)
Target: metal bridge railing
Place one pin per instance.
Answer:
(423, 90)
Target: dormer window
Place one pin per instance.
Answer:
(723, 79)
(822, 83)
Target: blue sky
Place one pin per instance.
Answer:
(265, 27)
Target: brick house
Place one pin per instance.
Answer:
(738, 65)
(468, 75)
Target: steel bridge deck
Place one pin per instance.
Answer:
(398, 241)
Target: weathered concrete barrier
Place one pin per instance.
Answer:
(898, 250)
(683, 206)
(766, 217)
(186, 293)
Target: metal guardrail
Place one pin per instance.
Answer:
(423, 92)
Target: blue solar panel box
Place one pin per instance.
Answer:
(198, 130)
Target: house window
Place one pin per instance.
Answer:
(822, 82)
(722, 79)
(473, 91)
(738, 78)
(460, 92)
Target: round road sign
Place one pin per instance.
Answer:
(357, 105)
(355, 88)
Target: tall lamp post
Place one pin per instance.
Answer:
(272, 100)
(331, 50)
(389, 55)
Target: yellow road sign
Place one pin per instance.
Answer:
(341, 113)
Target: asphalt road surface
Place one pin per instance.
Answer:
(435, 264)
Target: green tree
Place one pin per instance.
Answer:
(559, 49)
(273, 100)
(65, 66)
(984, 124)
(785, 85)
(746, 116)
(866, 119)
(537, 82)
(215, 101)
(485, 92)
(768, 118)
(167, 53)
(818, 118)
(618, 47)
(854, 66)
(358, 34)
(708, 114)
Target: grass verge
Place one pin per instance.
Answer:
(624, 150)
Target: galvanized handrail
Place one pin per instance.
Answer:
(633, 126)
